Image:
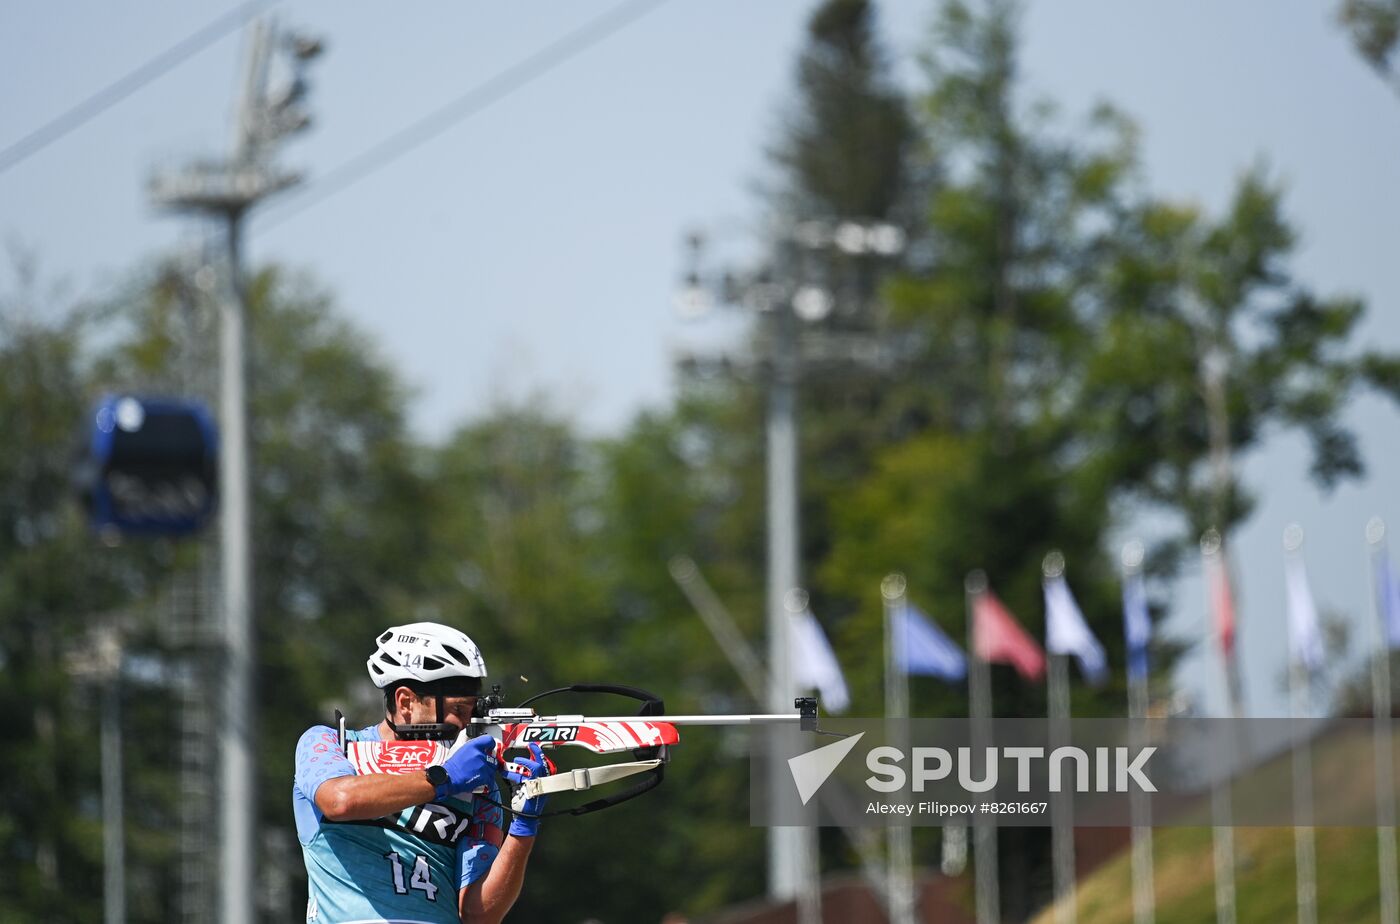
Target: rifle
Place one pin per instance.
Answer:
(647, 736)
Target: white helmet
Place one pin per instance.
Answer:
(422, 652)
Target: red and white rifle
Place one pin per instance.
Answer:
(647, 737)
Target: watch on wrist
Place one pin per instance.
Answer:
(437, 775)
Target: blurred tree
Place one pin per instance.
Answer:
(340, 503)
(54, 582)
(548, 548)
(844, 156)
(553, 550)
(844, 150)
(1374, 26)
(1060, 345)
(1047, 326)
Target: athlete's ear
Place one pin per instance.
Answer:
(404, 698)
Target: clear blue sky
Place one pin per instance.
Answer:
(535, 247)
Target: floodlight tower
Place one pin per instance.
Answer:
(791, 303)
(226, 191)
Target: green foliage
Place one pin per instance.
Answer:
(59, 582)
(1046, 330)
(339, 508)
(844, 149)
(1054, 376)
(1374, 27)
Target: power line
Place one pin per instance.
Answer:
(119, 90)
(483, 95)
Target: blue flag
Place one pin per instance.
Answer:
(924, 647)
(1137, 626)
(1389, 593)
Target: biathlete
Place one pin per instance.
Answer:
(424, 846)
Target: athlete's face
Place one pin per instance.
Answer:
(457, 710)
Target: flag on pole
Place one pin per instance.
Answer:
(1304, 634)
(998, 638)
(814, 664)
(1389, 592)
(1137, 626)
(923, 648)
(1067, 633)
(1223, 600)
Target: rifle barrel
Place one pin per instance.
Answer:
(761, 719)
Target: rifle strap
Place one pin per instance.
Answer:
(583, 778)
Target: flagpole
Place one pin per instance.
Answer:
(806, 857)
(754, 675)
(1144, 898)
(1061, 806)
(1304, 843)
(1222, 833)
(1380, 712)
(979, 688)
(899, 835)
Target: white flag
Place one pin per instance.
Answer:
(814, 664)
(1304, 633)
(1066, 632)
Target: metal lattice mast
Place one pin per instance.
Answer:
(785, 298)
(226, 191)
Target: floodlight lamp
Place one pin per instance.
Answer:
(812, 303)
(812, 234)
(764, 296)
(1133, 554)
(886, 239)
(130, 415)
(692, 301)
(850, 238)
(1375, 530)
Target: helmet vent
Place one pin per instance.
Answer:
(456, 654)
(385, 656)
(431, 664)
(386, 636)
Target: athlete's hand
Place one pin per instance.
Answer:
(470, 765)
(520, 771)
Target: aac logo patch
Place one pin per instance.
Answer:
(403, 756)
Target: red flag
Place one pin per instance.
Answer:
(998, 638)
(1222, 600)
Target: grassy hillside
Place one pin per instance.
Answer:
(1348, 888)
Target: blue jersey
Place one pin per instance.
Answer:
(404, 868)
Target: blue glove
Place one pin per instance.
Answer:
(522, 770)
(470, 765)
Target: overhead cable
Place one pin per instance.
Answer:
(473, 101)
(120, 89)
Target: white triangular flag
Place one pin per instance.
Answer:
(1304, 632)
(1066, 632)
(814, 664)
